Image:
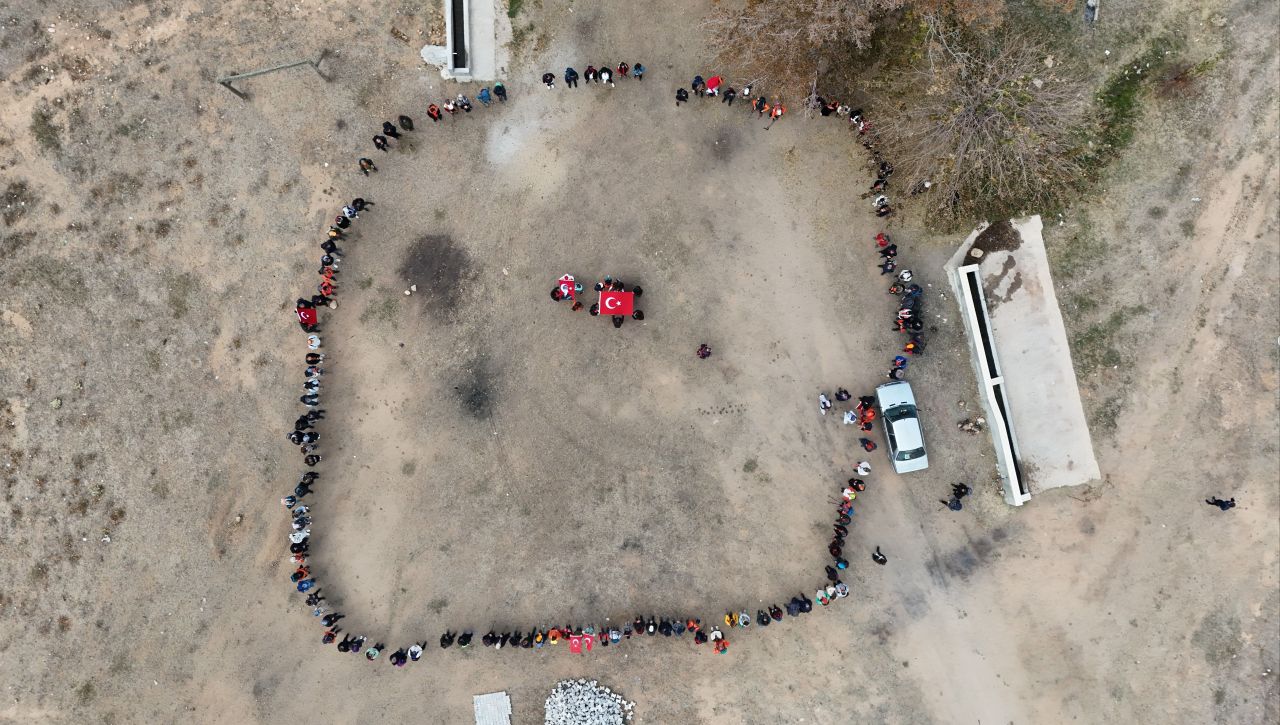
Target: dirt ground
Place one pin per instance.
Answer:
(494, 458)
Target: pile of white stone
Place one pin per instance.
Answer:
(584, 702)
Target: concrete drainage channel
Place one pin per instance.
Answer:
(457, 22)
(470, 52)
(974, 312)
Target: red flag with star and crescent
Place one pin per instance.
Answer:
(567, 287)
(617, 303)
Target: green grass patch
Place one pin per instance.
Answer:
(1095, 347)
(514, 7)
(1120, 99)
(381, 311)
(1105, 418)
(1079, 253)
(180, 289)
(519, 36)
(47, 133)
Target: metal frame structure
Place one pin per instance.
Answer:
(228, 80)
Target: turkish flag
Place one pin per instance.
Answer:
(566, 286)
(575, 643)
(617, 303)
(308, 316)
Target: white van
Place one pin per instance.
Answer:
(901, 423)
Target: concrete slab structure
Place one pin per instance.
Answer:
(492, 709)
(1003, 283)
(471, 45)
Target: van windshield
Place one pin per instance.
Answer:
(909, 455)
(899, 412)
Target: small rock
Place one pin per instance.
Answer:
(56, 403)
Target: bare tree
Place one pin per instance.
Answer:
(992, 126)
(789, 43)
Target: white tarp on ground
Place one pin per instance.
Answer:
(1039, 380)
(492, 709)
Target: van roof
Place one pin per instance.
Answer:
(907, 434)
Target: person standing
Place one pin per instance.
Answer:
(637, 72)
(699, 86)
(681, 96)
(778, 111)
(606, 76)
(591, 74)
(571, 77)
(729, 95)
(433, 112)
(366, 165)
(389, 130)
(500, 91)
(549, 79)
(483, 96)
(380, 142)
(623, 70)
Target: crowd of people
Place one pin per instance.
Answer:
(862, 414)
(909, 318)
(605, 75)
(585, 636)
(567, 289)
(717, 87)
